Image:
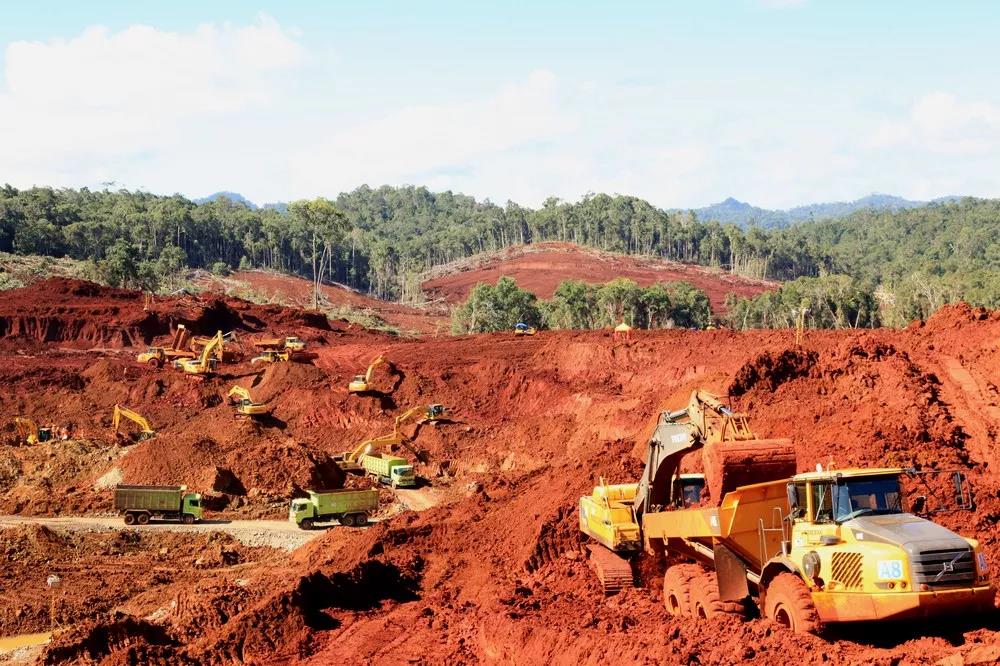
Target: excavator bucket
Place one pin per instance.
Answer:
(730, 464)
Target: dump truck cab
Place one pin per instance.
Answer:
(301, 509)
(192, 505)
(864, 557)
(294, 344)
(402, 476)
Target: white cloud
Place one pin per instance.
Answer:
(75, 111)
(421, 141)
(940, 123)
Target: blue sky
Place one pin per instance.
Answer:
(779, 102)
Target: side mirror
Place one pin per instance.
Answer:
(919, 504)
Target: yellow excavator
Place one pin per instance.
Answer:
(145, 430)
(349, 460)
(207, 361)
(362, 383)
(29, 432)
(245, 406)
(523, 329)
(157, 356)
(732, 455)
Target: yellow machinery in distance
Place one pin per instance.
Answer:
(245, 406)
(349, 460)
(362, 383)
(145, 429)
(523, 329)
(290, 343)
(157, 356)
(271, 356)
(29, 431)
(210, 356)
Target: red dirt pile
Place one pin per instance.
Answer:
(492, 569)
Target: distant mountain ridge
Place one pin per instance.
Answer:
(733, 211)
(730, 211)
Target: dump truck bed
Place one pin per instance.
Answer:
(344, 501)
(749, 520)
(149, 498)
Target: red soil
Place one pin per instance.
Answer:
(292, 290)
(496, 572)
(540, 268)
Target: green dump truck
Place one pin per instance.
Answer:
(392, 470)
(350, 507)
(141, 503)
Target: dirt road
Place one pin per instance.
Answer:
(274, 533)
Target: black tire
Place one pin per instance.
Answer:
(677, 588)
(188, 519)
(360, 519)
(788, 602)
(142, 519)
(306, 524)
(705, 601)
(130, 519)
(154, 363)
(347, 519)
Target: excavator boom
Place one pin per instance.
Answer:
(146, 430)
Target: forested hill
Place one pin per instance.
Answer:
(743, 214)
(391, 235)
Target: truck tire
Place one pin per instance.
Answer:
(306, 524)
(130, 519)
(347, 519)
(705, 601)
(788, 602)
(188, 519)
(360, 519)
(154, 363)
(142, 518)
(677, 588)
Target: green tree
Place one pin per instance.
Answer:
(496, 308)
(324, 226)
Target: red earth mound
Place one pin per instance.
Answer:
(298, 291)
(492, 568)
(540, 268)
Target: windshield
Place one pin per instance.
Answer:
(866, 496)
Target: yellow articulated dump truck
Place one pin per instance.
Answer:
(834, 545)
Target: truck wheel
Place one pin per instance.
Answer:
(360, 519)
(347, 520)
(788, 602)
(677, 588)
(142, 519)
(154, 363)
(705, 601)
(306, 524)
(188, 519)
(130, 519)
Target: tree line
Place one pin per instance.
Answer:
(579, 305)
(381, 240)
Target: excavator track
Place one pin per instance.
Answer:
(614, 572)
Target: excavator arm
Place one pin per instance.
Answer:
(732, 455)
(146, 430)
